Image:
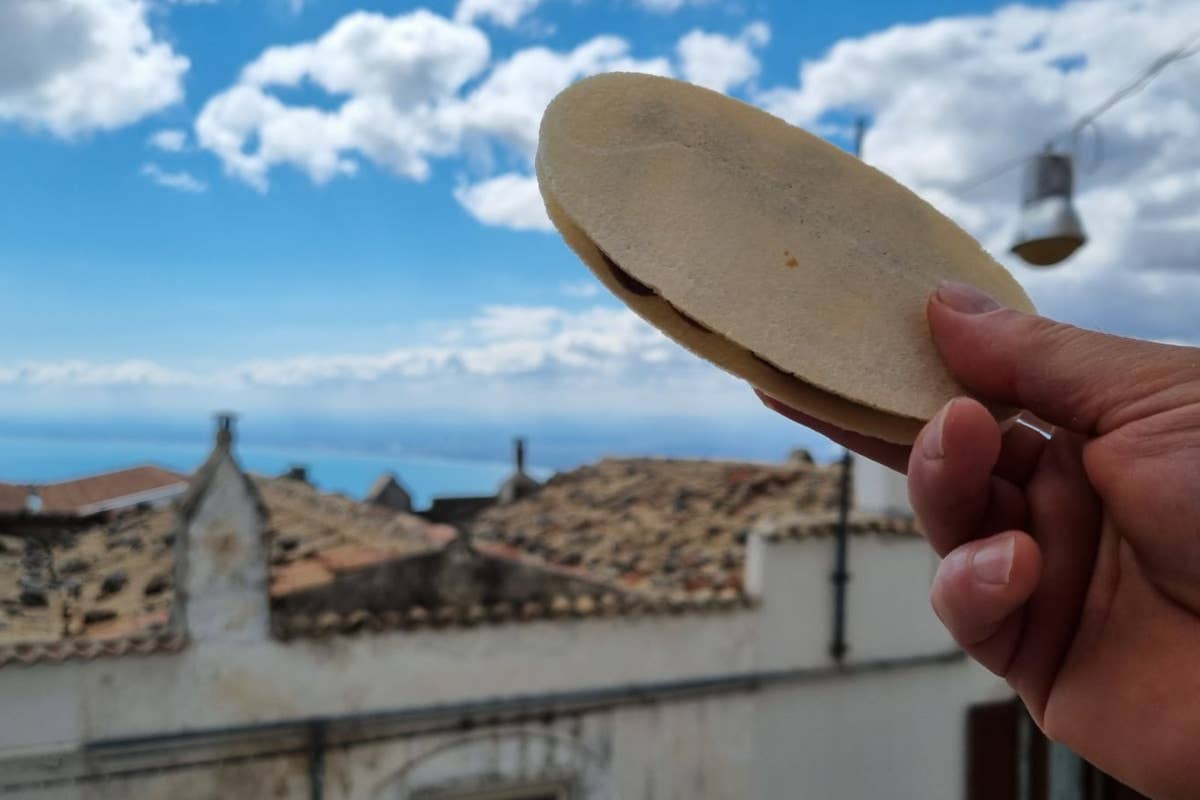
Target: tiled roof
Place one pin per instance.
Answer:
(12, 498)
(803, 526)
(659, 526)
(559, 606)
(91, 494)
(312, 533)
(95, 587)
(623, 536)
(104, 586)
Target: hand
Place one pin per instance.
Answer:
(1070, 562)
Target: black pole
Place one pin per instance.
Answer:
(316, 760)
(840, 575)
(860, 128)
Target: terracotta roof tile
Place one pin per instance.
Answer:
(299, 575)
(350, 556)
(104, 585)
(77, 496)
(658, 526)
(12, 498)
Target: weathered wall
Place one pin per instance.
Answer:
(874, 734)
(881, 734)
(261, 779)
(224, 581)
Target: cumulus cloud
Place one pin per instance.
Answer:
(169, 140)
(416, 88)
(72, 67)
(179, 180)
(397, 73)
(511, 200)
(950, 98)
(722, 62)
(505, 13)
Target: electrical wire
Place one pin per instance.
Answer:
(1189, 48)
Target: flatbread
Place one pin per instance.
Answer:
(760, 247)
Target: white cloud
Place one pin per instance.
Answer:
(400, 85)
(580, 289)
(76, 66)
(950, 98)
(134, 372)
(666, 6)
(722, 62)
(511, 355)
(170, 140)
(398, 73)
(510, 200)
(505, 13)
(179, 180)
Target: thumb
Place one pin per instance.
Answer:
(1077, 379)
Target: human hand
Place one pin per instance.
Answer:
(1070, 563)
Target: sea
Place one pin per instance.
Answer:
(45, 460)
(431, 460)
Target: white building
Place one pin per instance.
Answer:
(317, 647)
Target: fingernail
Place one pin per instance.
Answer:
(931, 439)
(965, 298)
(992, 563)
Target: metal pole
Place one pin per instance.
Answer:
(841, 574)
(316, 760)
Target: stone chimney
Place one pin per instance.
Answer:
(519, 484)
(222, 567)
(296, 472)
(225, 428)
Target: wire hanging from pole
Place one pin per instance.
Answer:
(1190, 47)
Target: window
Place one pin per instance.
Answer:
(1008, 758)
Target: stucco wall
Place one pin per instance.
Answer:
(873, 734)
(881, 734)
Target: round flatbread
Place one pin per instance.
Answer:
(760, 247)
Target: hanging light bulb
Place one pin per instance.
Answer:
(1049, 230)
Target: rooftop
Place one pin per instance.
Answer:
(616, 536)
(662, 526)
(95, 493)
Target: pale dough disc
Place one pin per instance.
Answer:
(785, 248)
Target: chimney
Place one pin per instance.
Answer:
(297, 472)
(221, 567)
(33, 500)
(519, 448)
(225, 428)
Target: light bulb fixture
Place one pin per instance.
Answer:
(1049, 230)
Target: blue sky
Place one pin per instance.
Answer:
(345, 225)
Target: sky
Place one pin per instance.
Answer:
(308, 208)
